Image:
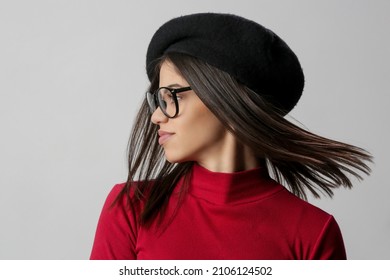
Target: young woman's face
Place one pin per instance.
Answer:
(195, 134)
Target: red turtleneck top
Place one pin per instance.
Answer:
(242, 215)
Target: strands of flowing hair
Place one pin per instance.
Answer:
(300, 160)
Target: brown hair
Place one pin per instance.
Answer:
(300, 160)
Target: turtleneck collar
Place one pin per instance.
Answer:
(232, 188)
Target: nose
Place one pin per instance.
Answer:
(158, 117)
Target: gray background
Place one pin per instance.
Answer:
(72, 76)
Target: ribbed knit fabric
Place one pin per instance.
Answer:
(242, 215)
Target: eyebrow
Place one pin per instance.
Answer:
(174, 85)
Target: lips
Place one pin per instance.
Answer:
(164, 136)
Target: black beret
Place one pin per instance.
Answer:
(251, 53)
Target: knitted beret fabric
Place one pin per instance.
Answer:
(249, 52)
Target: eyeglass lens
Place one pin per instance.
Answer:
(167, 102)
(164, 99)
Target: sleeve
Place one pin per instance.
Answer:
(116, 233)
(330, 243)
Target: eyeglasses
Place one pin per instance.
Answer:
(166, 99)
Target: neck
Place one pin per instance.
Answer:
(232, 157)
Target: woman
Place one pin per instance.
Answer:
(208, 135)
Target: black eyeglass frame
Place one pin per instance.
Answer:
(154, 101)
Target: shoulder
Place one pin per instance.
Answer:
(115, 196)
(117, 229)
(122, 196)
(318, 229)
(301, 208)
(300, 216)
(116, 190)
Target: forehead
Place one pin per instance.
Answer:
(169, 75)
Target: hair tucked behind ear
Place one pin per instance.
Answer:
(302, 161)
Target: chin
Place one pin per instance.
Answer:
(172, 160)
(175, 158)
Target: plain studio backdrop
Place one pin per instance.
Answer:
(72, 75)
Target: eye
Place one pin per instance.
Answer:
(170, 98)
(167, 98)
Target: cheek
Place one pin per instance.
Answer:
(196, 140)
(208, 131)
(198, 132)
(201, 126)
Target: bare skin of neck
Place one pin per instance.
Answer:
(233, 156)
